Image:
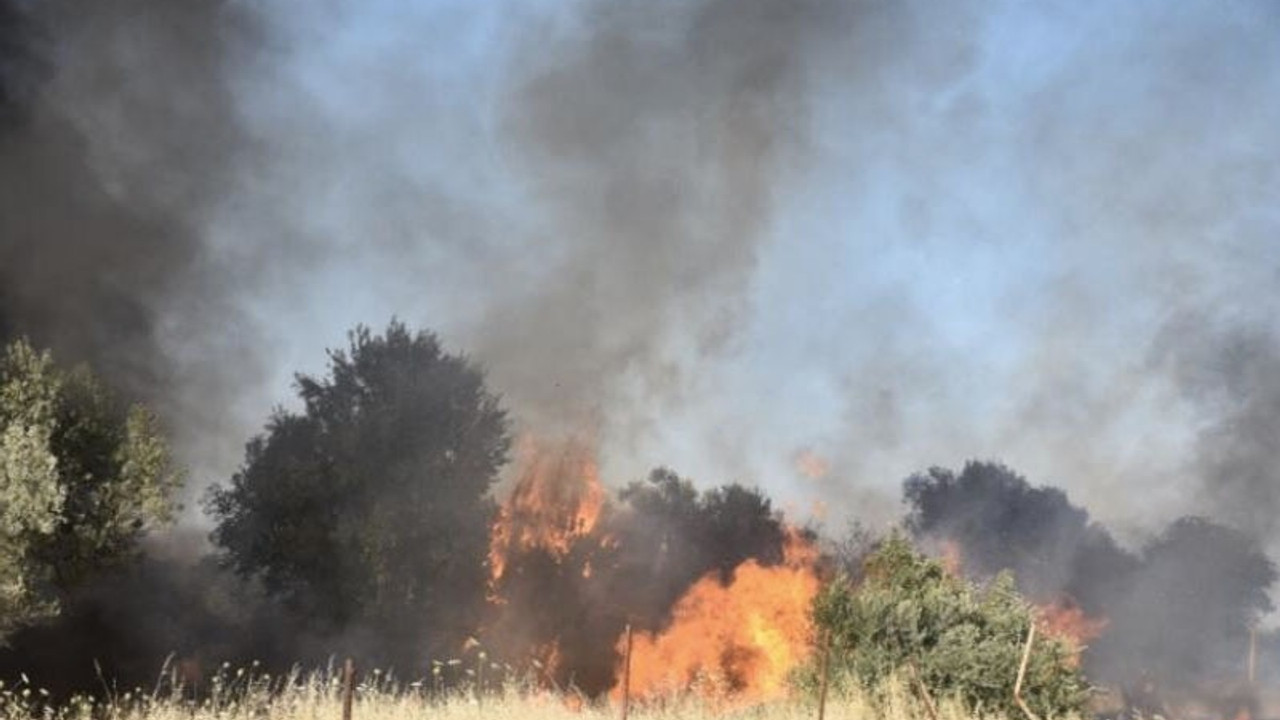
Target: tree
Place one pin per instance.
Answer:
(1001, 522)
(961, 640)
(82, 478)
(370, 510)
(1202, 586)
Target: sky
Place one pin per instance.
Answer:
(977, 222)
(813, 246)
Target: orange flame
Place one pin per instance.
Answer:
(1065, 619)
(556, 500)
(741, 639)
(952, 558)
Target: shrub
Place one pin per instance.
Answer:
(910, 618)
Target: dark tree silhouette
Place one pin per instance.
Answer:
(1178, 613)
(1001, 522)
(368, 512)
(1200, 588)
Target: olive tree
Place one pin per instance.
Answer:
(82, 477)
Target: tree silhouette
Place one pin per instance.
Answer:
(368, 512)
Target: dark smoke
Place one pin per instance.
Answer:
(1178, 612)
(1001, 522)
(1230, 369)
(186, 187)
(656, 137)
(119, 137)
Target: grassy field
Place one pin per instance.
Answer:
(319, 697)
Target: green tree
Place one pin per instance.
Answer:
(962, 640)
(82, 478)
(369, 511)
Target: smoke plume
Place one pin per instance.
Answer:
(720, 235)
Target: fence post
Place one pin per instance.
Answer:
(1022, 671)
(929, 707)
(626, 676)
(348, 687)
(824, 671)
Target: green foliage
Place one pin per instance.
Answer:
(371, 508)
(962, 641)
(81, 476)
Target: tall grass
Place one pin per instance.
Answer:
(242, 695)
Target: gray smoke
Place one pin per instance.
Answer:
(119, 134)
(719, 235)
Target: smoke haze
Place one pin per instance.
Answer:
(716, 235)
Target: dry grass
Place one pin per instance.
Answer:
(240, 696)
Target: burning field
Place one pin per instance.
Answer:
(485, 343)
(712, 594)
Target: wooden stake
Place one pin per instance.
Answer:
(348, 687)
(824, 671)
(924, 691)
(626, 676)
(1022, 671)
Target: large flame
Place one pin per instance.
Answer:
(557, 499)
(737, 641)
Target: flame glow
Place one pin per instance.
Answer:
(557, 499)
(1065, 619)
(1062, 618)
(810, 464)
(738, 641)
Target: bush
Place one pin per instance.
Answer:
(962, 641)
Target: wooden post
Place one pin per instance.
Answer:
(348, 687)
(929, 707)
(1022, 672)
(626, 676)
(824, 673)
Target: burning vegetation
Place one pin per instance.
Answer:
(716, 586)
(719, 595)
(738, 640)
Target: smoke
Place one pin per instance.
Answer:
(1179, 610)
(1231, 369)
(714, 234)
(1001, 523)
(119, 135)
(722, 235)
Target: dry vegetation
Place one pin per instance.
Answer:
(240, 696)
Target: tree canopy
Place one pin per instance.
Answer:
(1001, 522)
(370, 508)
(82, 477)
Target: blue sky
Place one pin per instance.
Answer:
(892, 235)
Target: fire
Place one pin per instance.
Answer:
(1065, 619)
(952, 558)
(743, 638)
(557, 499)
(810, 464)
